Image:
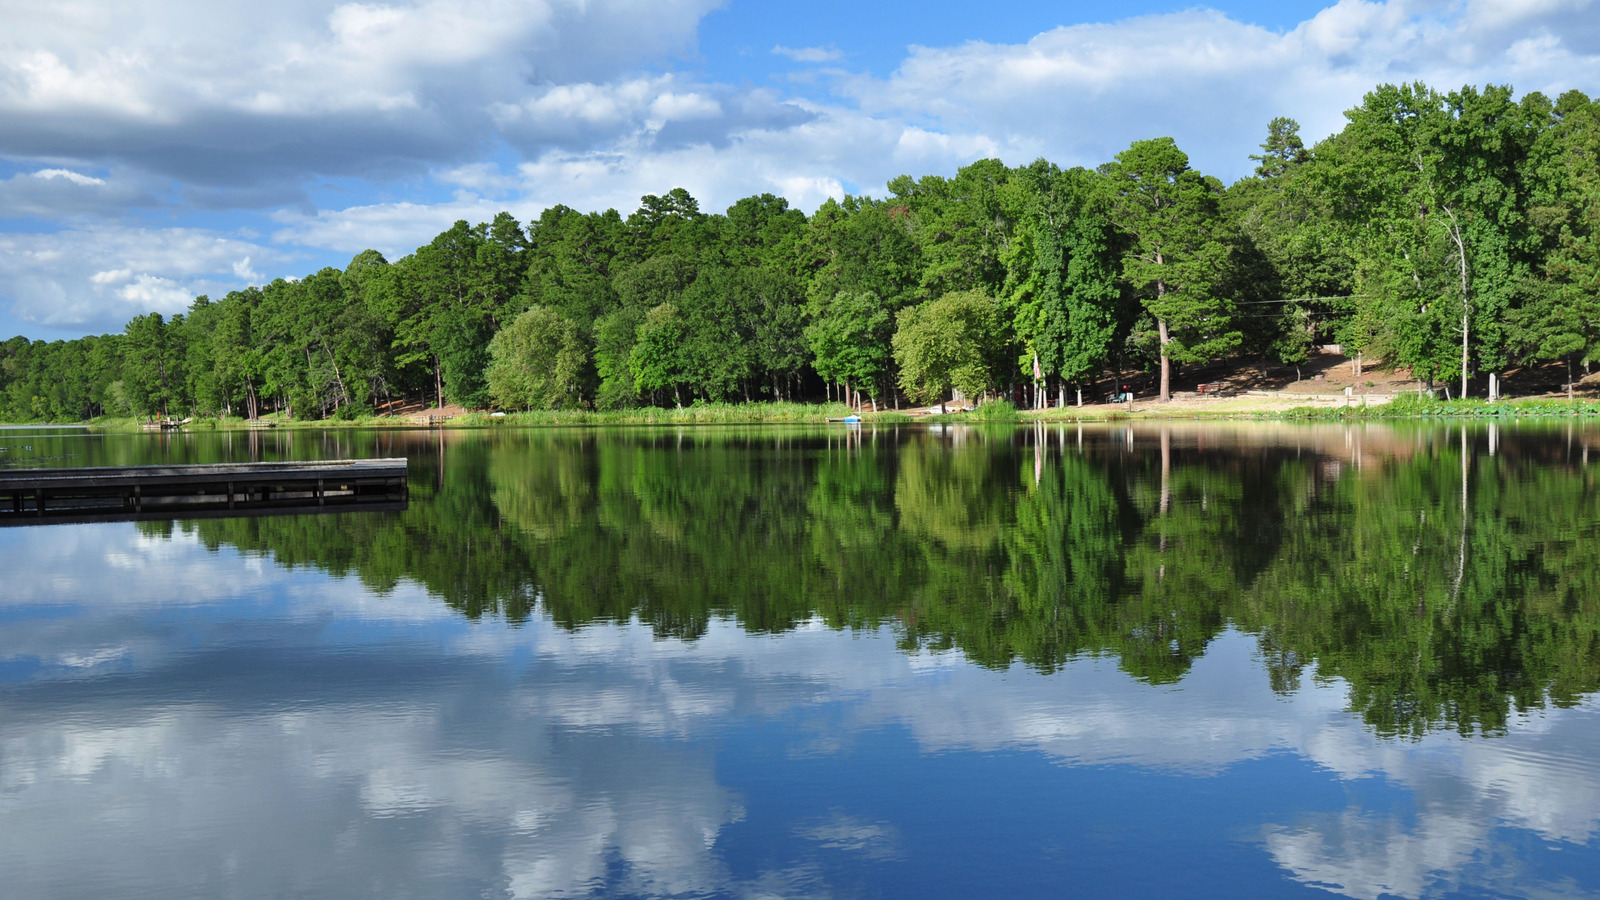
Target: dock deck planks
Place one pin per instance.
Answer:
(120, 493)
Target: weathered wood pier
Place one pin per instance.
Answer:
(131, 493)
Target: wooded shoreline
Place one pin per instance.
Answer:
(1455, 236)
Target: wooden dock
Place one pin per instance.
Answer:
(131, 493)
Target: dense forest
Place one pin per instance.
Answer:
(1454, 235)
(1449, 588)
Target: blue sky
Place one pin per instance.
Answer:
(155, 151)
(736, 41)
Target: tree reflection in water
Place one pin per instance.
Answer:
(1448, 585)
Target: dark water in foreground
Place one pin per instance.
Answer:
(1151, 662)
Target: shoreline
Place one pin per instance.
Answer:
(1263, 407)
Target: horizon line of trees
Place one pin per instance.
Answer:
(1454, 235)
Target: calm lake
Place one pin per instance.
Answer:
(1110, 661)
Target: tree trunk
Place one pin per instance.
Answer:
(337, 377)
(1569, 378)
(1166, 363)
(1466, 306)
(438, 380)
(321, 407)
(1166, 470)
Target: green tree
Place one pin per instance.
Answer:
(850, 339)
(962, 225)
(1282, 151)
(1430, 191)
(450, 297)
(719, 312)
(1062, 274)
(1170, 214)
(1561, 318)
(537, 362)
(153, 363)
(1294, 281)
(657, 360)
(948, 343)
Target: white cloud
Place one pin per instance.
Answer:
(242, 270)
(69, 175)
(609, 750)
(685, 106)
(639, 116)
(55, 194)
(98, 277)
(235, 94)
(111, 276)
(146, 291)
(1079, 94)
(193, 106)
(393, 229)
(809, 54)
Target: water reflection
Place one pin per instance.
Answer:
(1264, 661)
(1361, 549)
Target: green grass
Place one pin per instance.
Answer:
(1402, 407)
(993, 411)
(697, 414)
(888, 417)
(136, 423)
(1411, 406)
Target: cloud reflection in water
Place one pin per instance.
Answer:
(199, 732)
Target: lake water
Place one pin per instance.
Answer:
(1109, 661)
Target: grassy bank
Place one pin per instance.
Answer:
(1411, 406)
(1405, 406)
(698, 414)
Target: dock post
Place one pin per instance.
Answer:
(321, 499)
(230, 495)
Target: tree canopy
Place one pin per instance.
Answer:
(1451, 234)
